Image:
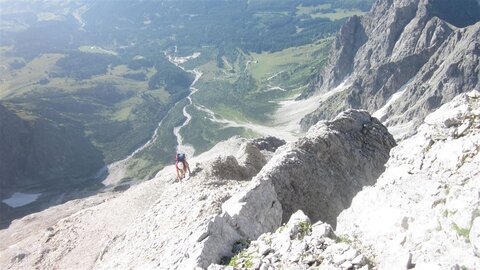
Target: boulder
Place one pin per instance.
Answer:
(246, 163)
(268, 143)
(323, 171)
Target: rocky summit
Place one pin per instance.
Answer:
(400, 62)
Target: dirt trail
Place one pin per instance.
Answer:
(260, 129)
(287, 118)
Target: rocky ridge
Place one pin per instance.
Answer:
(399, 47)
(182, 225)
(423, 213)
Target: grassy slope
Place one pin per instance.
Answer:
(292, 67)
(116, 113)
(326, 11)
(339, 14)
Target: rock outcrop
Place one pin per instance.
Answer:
(246, 164)
(268, 143)
(298, 245)
(426, 205)
(323, 171)
(399, 48)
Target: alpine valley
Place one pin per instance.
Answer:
(321, 134)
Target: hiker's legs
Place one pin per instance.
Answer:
(186, 166)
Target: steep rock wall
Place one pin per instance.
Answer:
(408, 48)
(323, 171)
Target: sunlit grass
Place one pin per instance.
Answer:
(339, 14)
(95, 49)
(17, 82)
(301, 10)
(265, 65)
(325, 11)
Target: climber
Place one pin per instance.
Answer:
(181, 165)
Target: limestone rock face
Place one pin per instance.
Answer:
(453, 69)
(298, 245)
(474, 236)
(351, 37)
(246, 164)
(426, 204)
(269, 143)
(401, 59)
(323, 171)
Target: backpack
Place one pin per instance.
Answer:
(180, 157)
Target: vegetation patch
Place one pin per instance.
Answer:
(242, 259)
(464, 232)
(96, 49)
(305, 229)
(339, 14)
(342, 239)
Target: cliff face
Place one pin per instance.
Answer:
(399, 47)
